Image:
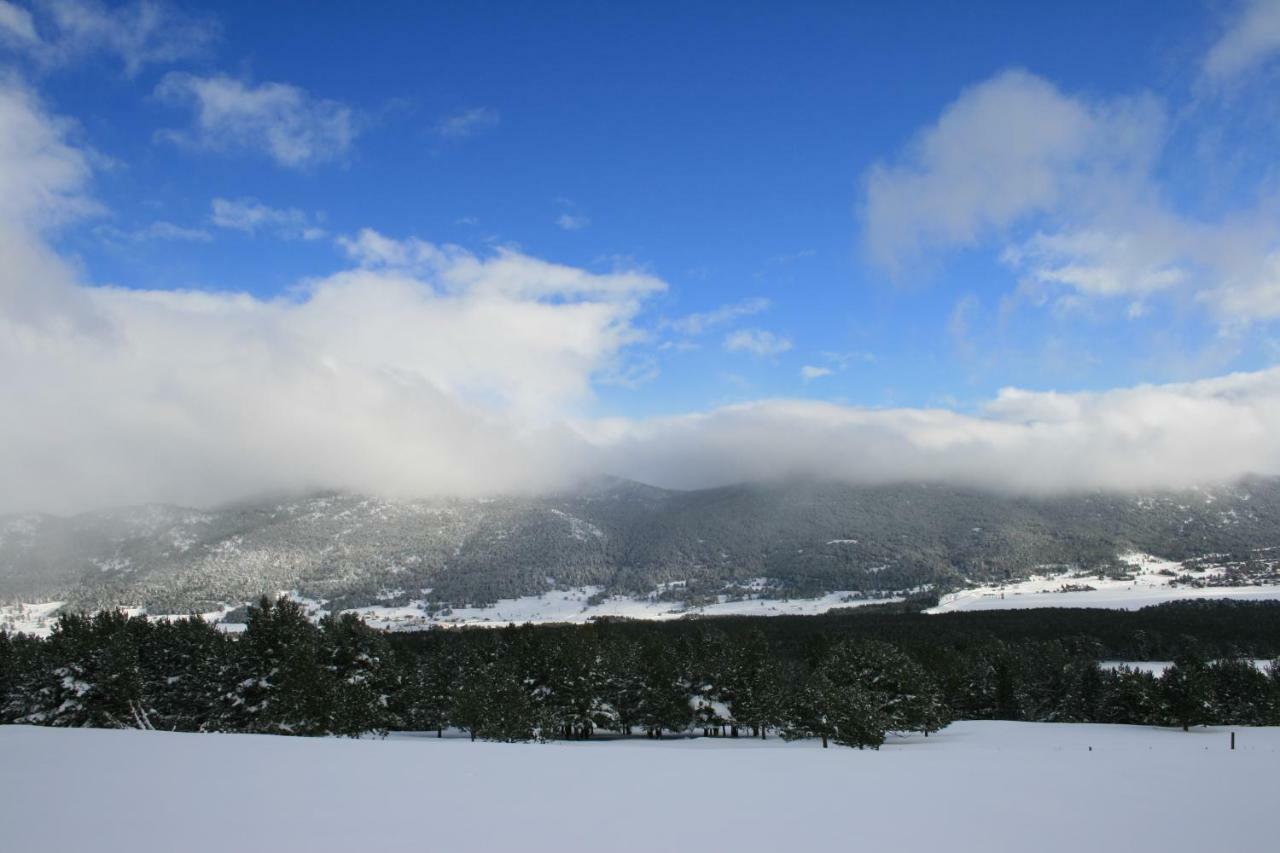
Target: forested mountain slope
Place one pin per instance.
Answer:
(621, 536)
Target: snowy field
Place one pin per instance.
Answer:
(1157, 667)
(574, 605)
(974, 786)
(1147, 587)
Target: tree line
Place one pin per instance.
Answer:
(287, 675)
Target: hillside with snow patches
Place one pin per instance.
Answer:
(1048, 787)
(618, 548)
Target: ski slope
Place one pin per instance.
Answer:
(994, 786)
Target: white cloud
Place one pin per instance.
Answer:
(572, 221)
(166, 231)
(141, 33)
(1255, 294)
(1102, 263)
(1065, 190)
(1251, 38)
(251, 217)
(43, 183)
(467, 123)
(426, 369)
(1147, 437)
(169, 231)
(507, 273)
(42, 176)
(16, 24)
(696, 324)
(450, 372)
(811, 372)
(757, 342)
(1007, 148)
(282, 121)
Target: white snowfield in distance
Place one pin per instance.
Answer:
(573, 606)
(556, 606)
(1055, 589)
(1157, 667)
(38, 620)
(582, 604)
(975, 786)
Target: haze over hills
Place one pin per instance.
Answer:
(805, 537)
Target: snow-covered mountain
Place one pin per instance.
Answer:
(804, 538)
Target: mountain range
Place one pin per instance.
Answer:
(804, 537)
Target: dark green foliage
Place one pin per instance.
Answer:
(1187, 689)
(834, 702)
(495, 699)
(755, 692)
(92, 675)
(1242, 694)
(8, 673)
(184, 669)
(359, 674)
(663, 702)
(1129, 696)
(622, 686)
(863, 690)
(845, 684)
(279, 678)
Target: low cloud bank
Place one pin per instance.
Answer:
(1143, 438)
(405, 383)
(425, 369)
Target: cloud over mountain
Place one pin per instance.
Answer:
(420, 367)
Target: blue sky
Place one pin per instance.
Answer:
(905, 207)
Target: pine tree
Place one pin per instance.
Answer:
(1187, 690)
(359, 675)
(279, 683)
(92, 677)
(29, 668)
(493, 700)
(1129, 696)
(621, 687)
(758, 696)
(8, 674)
(573, 685)
(833, 705)
(473, 691)
(439, 674)
(1241, 693)
(712, 685)
(664, 692)
(184, 674)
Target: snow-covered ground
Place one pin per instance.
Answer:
(975, 786)
(573, 605)
(1157, 667)
(569, 605)
(29, 618)
(38, 619)
(1147, 587)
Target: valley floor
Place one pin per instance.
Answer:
(990, 786)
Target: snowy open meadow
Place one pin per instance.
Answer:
(990, 786)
